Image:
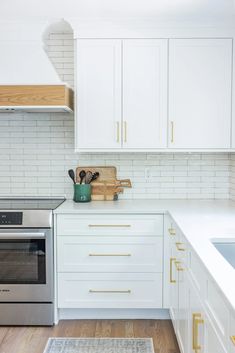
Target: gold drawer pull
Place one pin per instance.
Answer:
(179, 247)
(197, 320)
(172, 231)
(109, 225)
(118, 132)
(109, 254)
(125, 131)
(172, 259)
(172, 131)
(128, 291)
(232, 338)
(178, 267)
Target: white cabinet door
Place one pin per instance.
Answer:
(183, 292)
(144, 93)
(196, 320)
(232, 334)
(200, 72)
(98, 106)
(173, 279)
(213, 343)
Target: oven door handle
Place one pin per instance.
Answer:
(18, 236)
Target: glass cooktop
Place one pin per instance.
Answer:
(29, 203)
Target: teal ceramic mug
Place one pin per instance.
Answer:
(82, 193)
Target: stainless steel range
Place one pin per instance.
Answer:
(26, 261)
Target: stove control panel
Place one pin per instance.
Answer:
(11, 218)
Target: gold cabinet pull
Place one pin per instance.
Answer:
(179, 247)
(172, 259)
(109, 254)
(171, 231)
(109, 225)
(118, 132)
(178, 267)
(197, 320)
(125, 131)
(232, 338)
(172, 132)
(109, 291)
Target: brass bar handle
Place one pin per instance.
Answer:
(179, 247)
(118, 132)
(109, 254)
(178, 267)
(171, 231)
(197, 320)
(128, 291)
(109, 225)
(172, 259)
(125, 131)
(232, 338)
(172, 132)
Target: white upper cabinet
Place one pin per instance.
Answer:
(98, 80)
(144, 93)
(200, 72)
(121, 94)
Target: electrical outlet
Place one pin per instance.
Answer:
(147, 174)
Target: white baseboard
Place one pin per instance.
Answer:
(113, 314)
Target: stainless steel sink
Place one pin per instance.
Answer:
(226, 249)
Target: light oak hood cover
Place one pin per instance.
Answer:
(28, 80)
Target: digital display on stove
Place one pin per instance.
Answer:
(11, 218)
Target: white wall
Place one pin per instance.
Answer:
(36, 150)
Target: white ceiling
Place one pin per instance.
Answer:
(116, 8)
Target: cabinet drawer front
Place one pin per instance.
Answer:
(104, 290)
(109, 225)
(105, 254)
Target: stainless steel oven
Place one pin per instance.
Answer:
(26, 266)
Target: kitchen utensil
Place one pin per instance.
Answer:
(88, 177)
(95, 176)
(105, 173)
(72, 175)
(82, 175)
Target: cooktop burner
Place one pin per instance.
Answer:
(29, 204)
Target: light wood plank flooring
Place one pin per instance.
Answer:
(33, 339)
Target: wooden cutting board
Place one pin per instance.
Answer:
(106, 187)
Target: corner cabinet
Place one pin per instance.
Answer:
(200, 79)
(121, 94)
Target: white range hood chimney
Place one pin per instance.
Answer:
(28, 80)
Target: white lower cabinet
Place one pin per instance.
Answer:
(110, 261)
(198, 311)
(109, 290)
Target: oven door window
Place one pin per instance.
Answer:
(23, 261)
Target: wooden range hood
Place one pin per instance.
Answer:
(36, 98)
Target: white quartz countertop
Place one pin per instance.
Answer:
(199, 220)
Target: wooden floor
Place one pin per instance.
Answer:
(33, 339)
